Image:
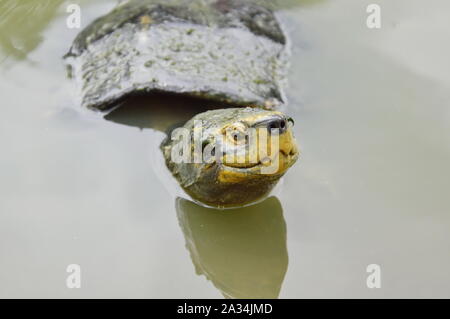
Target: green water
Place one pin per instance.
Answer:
(372, 117)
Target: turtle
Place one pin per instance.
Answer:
(230, 53)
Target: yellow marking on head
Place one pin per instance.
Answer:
(232, 177)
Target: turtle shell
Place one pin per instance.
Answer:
(231, 51)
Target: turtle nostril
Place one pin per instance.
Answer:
(279, 124)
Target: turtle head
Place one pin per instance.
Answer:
(236, 156)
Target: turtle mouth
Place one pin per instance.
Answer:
(284, 158)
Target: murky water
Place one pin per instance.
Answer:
(373, 119)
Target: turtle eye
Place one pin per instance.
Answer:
(237, 133)
(239, 137)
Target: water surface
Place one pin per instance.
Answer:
(372, 117)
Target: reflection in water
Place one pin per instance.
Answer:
(242, 251)
(21, 24)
